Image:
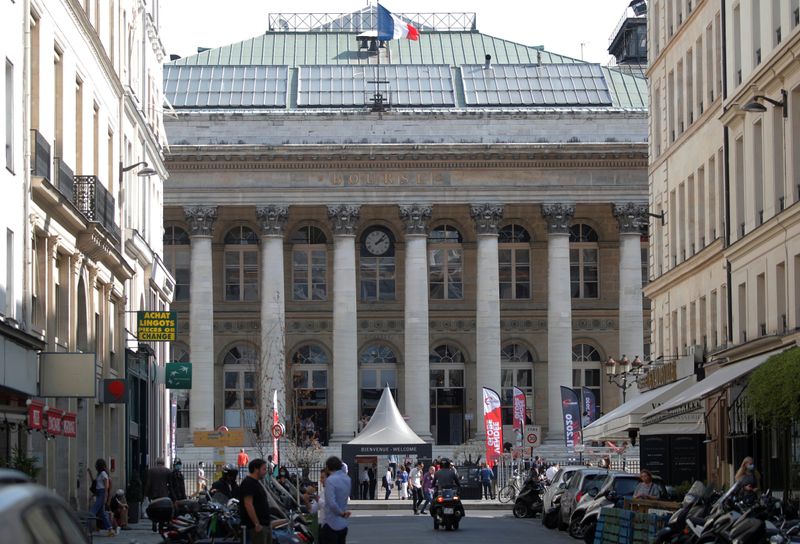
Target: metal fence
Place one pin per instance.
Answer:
(213, 471)
(508, 469)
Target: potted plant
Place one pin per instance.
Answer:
(134, 496)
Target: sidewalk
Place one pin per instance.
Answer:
(140, 533)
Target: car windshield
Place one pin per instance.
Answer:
(592, 480)
(625, 486)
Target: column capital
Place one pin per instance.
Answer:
(201, 219)
(416, 217)
(272, 219)
(486, 217)
(631, 216)
(344, 218)
(558, 217)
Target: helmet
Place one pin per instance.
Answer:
(228, 468)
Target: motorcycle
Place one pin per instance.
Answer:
(529, 500)
(447, 509)
(694, 506)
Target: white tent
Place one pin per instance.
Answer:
(386, 426)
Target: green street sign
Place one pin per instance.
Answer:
(178, 376)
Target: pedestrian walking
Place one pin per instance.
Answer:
(387, 482)
(157, 484)
(415, 481)
(373, 481)
(486, 482)
(364, 481)
(243, 462)
(427, 488)
(255, 517)
(102, 495)
(202, 483)
(337, 493)
(177, 487)
(402, 483)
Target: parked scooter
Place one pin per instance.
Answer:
(529, 500)
(447, 509)
(694, 506)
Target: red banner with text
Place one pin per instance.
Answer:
(69, 424)
(520, 407)
(35, 410)
(54, 421)
(493, 423)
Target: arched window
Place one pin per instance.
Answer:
(447, 394)
(586, 371)
(181, 396)
(309, 394)
(241, 264)
(514, 256)
(177, 256)
(446, 261)
(516, 370)
(309, 264)
(583, 261)
(240, 368)
(378, 364)
(377, 273)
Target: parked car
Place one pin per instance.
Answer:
(584, 483)
(32, 513)
(559, 484)
(616, 488)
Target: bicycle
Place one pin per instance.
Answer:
(509, 492)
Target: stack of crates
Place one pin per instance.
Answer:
(643, 528)
(613, 526)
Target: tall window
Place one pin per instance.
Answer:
(241, 264)
(446, 261)
(516, 370)
(586, 363)
(309, 264)
(583, 251)
(310, 393)
(177, 257)
(240, 386)
(181, 396)
(378, 364)
(377, 272)
(447, 394)
(10, 115)
(514, 256)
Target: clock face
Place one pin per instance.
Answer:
(377, 242)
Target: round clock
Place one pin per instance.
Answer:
(377, 242)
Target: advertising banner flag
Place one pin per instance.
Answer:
(520, 408)
(69, 424)
(571, 409)
(493, 423)
(54, 416)
(589, 408)
(275, 421)
(35, 410)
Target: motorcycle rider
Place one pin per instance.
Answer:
(227, 483)
(446, 477)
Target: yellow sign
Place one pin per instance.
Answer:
(157, 326)
(233, 438)
(662, 375)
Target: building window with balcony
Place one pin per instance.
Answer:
(516, 370)
(177, 258)
(309, 395)
(378, 368)
(10, 115)
(446, 261)
(240, 386)
(241, 265)
(377, 265)
(309, 264)
(514, 256)
(583, 261)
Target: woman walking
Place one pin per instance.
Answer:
(102, 495)
(427, 488)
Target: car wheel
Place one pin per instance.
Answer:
(588, 532)
(520, 510)
(550, 520)
(575, 528)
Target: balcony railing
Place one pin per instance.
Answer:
(63, 179)
(40, 156)
(95, 202)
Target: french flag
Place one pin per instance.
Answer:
(391, 27)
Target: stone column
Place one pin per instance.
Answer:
(201, 317)
(487, 334)
(344, 219)
(630, 217)
(416, 336)
(272, 358)
(559, 312)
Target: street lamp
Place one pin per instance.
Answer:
(144, 172)
(624, 373)
(754, 106)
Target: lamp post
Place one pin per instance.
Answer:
(624, 374)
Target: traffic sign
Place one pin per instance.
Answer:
(277, 430)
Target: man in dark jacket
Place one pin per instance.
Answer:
(157, 484)
(227, 483)
(177, 487)
(373, 481)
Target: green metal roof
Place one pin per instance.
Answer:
(454, 48)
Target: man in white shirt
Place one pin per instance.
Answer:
(551, 471)
(415, 481)
(388, 482)
(364, 481)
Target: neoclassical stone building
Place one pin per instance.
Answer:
(440, 237)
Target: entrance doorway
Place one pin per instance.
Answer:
(447, 395)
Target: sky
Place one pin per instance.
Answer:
(561, 26)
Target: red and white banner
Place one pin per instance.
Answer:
(54, 416)
(520, 407)
(275, 421)
(35, 410)
(493, 423)
(69, 424)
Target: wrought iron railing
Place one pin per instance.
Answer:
(366, 19)
(63, 179)
(40, 156)
(95, 202)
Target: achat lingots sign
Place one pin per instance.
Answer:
(156, 326)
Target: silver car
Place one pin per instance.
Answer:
(584, 484)
(32, 513)
(559, 484)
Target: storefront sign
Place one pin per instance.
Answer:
(519, 416)
(35, 415)
(54, 421)
(178, 375)
(493, 424)
(571, 410)
(661, 375)
(69, 424)
(233, 438)
(156, 326)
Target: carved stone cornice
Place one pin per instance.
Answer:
(344, 218)
(631, 217)
(558, 217)
(200, 219)
(416, 217)
(272, 219)
(487, 217)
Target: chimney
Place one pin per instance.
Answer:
(488, 64)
